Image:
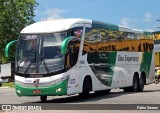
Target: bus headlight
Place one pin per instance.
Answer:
(19, 91)
(19, 83)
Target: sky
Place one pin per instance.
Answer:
(137, 14)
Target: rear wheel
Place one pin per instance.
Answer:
(87, 87)
(141, 83)
(43, 98)
(135, 86)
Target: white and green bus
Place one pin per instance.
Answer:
(77, 56)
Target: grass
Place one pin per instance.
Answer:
(9, 84)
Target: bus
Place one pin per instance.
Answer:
(79, 56)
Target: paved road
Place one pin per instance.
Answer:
(151, 95)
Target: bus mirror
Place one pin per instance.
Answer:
(65, 43)
(8, 46)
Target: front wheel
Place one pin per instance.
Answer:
(43, 98)
(86, 88)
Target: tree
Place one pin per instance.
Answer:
(14, 15)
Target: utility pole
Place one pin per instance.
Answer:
(159, 21)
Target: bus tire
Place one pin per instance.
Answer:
(141, 83)
(87, 87)
(135, 86)
(43, 98)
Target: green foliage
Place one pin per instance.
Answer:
(9, 84)
(14, 15)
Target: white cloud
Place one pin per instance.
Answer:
(148, 17)
(52, 17)
(54, 13)
(36, 11)
(127, 21)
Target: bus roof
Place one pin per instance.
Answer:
(127, 29)
(57, 25)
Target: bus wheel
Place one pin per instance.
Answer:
(43, 98)
(141, 83)
(135, 86)
(86, 88)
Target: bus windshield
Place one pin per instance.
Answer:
(40, 54)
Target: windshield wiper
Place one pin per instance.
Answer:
(45, 65)
(32, 61)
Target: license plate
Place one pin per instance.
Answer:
(37, 91)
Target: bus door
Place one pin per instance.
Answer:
(71, 60)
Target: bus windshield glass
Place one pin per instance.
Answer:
(40, 54)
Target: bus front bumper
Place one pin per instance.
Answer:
(53, 90)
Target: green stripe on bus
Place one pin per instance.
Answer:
(146, 63)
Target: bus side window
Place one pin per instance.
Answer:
(90, 41)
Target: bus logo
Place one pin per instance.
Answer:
(36, 82)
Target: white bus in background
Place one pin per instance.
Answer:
(76, 56)
(5, 72)
(1, 82)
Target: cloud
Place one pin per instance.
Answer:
(127, 21)
(52, 17)
(54, 11)
(148, 17)
(36, 11)
(51, 14)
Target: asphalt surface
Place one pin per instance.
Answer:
(116, 101)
